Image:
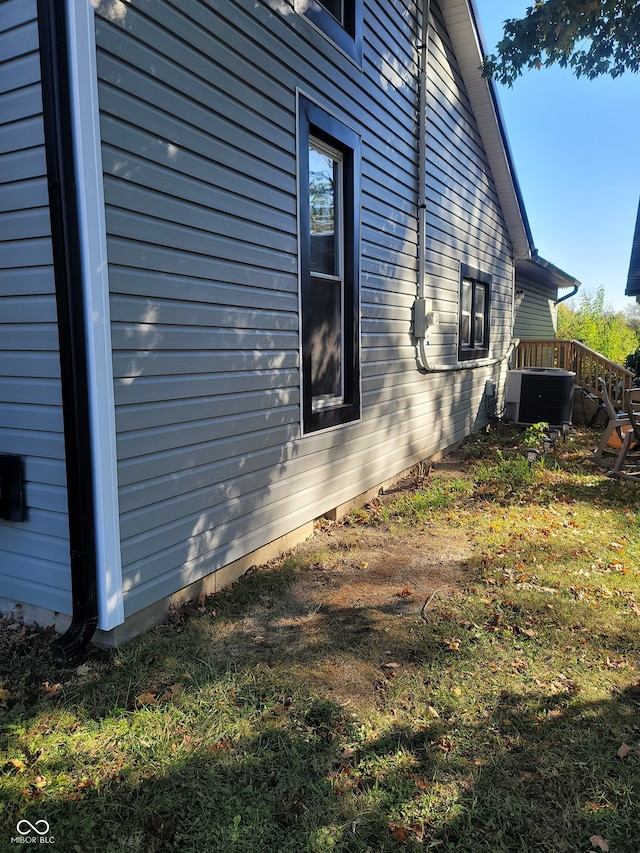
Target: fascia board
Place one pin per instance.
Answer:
(633, 278)
(544, 273)
(460, 18)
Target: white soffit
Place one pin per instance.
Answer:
(461, 25)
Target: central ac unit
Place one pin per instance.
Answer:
(539, 395)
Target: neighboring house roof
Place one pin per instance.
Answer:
(633, 279)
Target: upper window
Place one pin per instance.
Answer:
(329, 165)
(475, 298)
(335, 8)
(339, 20)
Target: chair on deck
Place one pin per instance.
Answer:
(627, 464)
(614, 433)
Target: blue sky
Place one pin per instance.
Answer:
(576, 148)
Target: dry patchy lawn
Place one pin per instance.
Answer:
(454, 667)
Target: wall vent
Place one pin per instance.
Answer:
(11, 498)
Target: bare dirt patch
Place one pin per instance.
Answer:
(346, 620)
(353, 616)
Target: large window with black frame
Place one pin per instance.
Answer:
(475, 301)
(329, 166)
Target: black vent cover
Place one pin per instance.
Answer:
(11, 497)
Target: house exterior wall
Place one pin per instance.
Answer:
(537, 316)
(464, 219)
(34, 555)
(198, 120)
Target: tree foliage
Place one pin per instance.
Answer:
(592, 37)
(598, 326)
(632, 315)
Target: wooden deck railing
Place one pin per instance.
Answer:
(588, 365)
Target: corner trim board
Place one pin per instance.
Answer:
(62, 38)
(93, 247)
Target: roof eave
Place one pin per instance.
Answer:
(633, 278)
(462, 24)
(545, 273)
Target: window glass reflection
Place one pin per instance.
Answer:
(322, 211)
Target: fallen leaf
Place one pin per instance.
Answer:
(172, 692)
(452, 643)
(624, 750)
(405, 593)
(615, 664)
(599, 842)
(51, 690)
(17, 764)
(31, 792)
(399, 832)
(4, 694)
(83, 669)
(148, 698)
(421, 783)
(418, 829)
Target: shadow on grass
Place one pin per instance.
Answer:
(548, 777)
(278, 764)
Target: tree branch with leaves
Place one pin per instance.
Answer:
(591, 37)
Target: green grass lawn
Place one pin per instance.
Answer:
(501, 714)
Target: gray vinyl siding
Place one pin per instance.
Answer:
(198, 123)
(537, 315)
(34, 555)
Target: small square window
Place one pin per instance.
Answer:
(339, 20)
(475, 297)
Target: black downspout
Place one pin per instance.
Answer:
(65, 237)
(567, 295)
